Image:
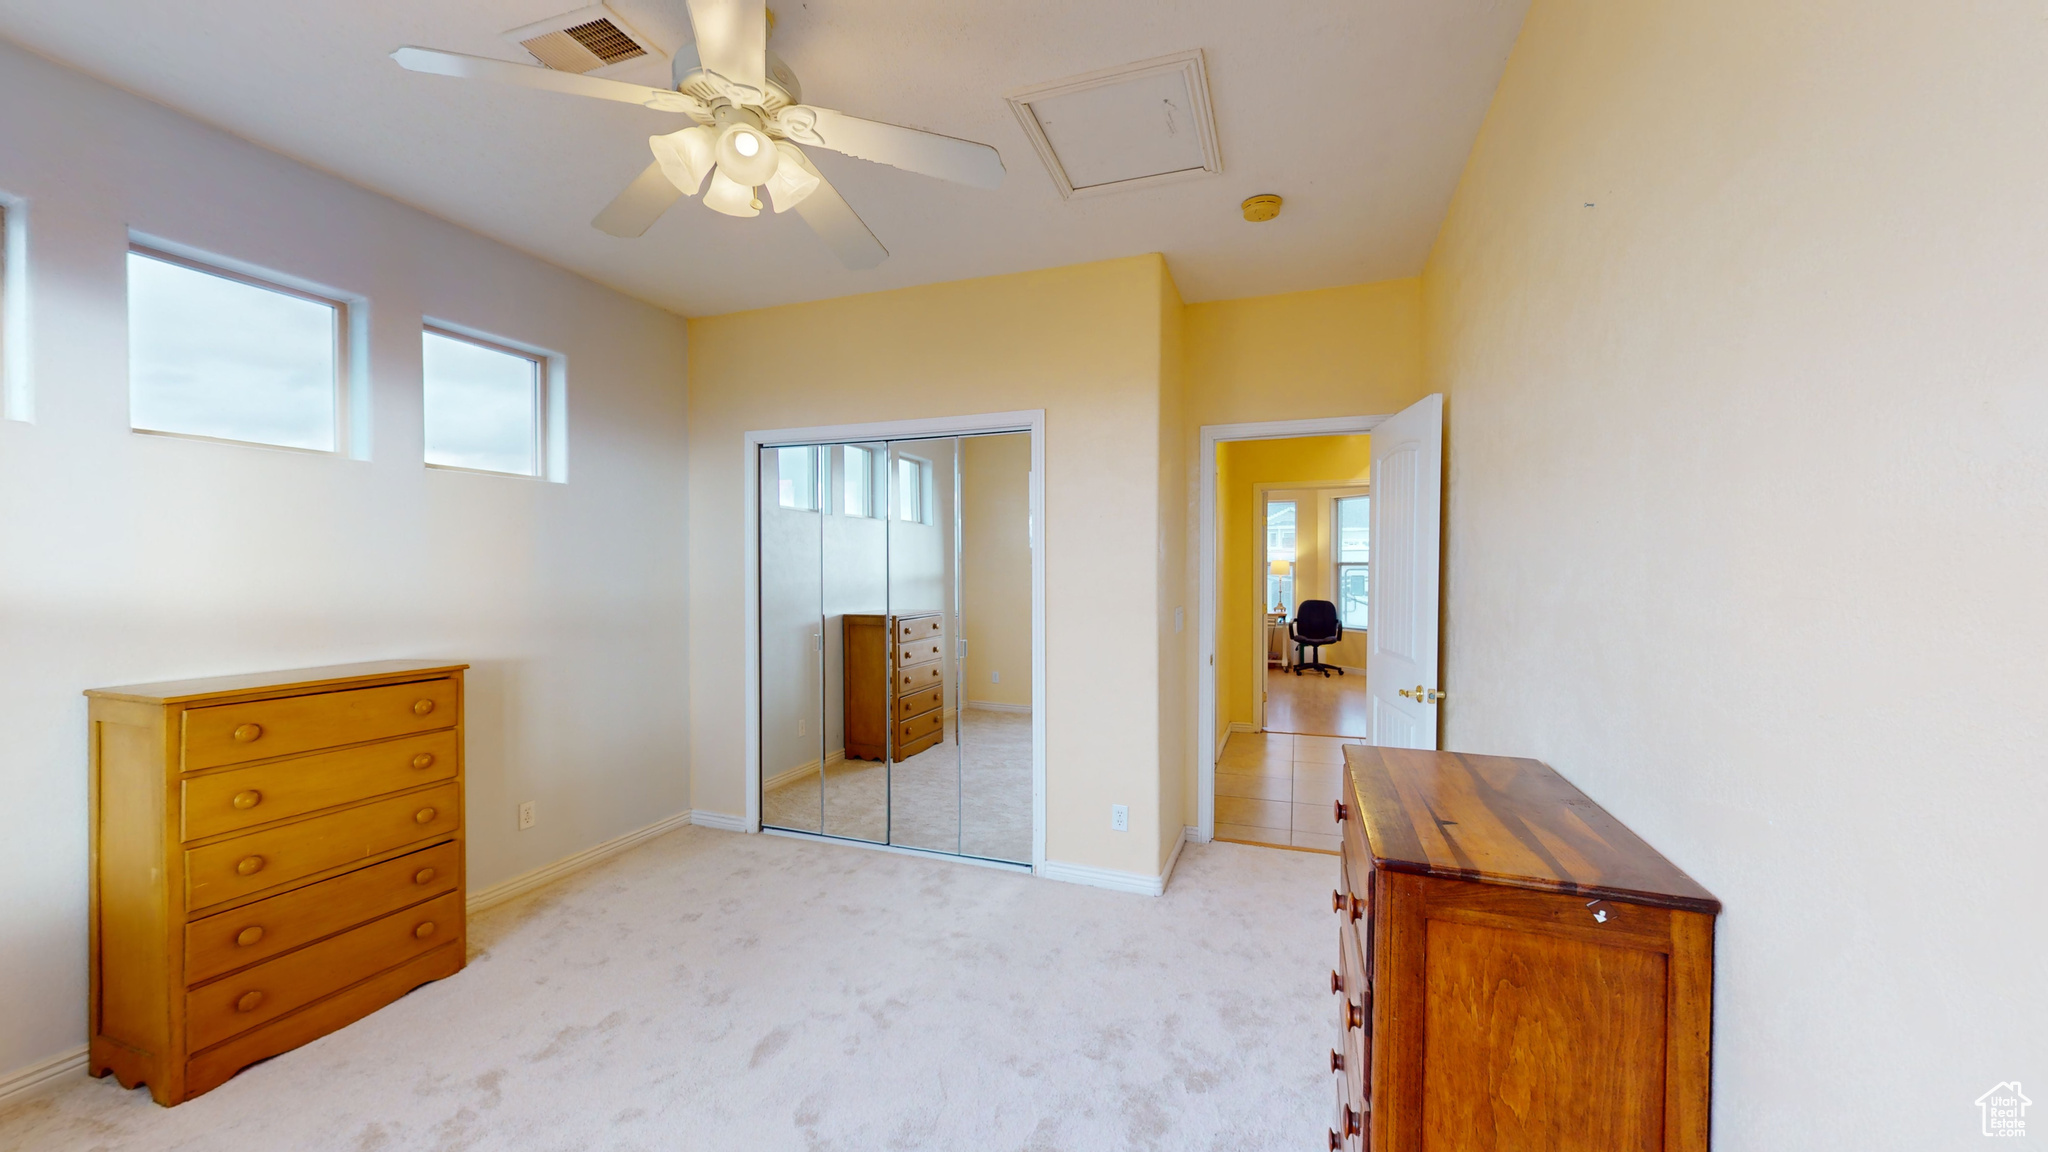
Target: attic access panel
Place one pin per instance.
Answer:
(1141, 124)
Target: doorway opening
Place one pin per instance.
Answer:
(1318, 613)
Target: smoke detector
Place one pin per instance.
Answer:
(589, 40)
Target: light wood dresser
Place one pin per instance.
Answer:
(1516, 970)
(895, 684)
(274, 856)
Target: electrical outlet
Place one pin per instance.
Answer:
(526, 814)
(1120, 817)
(803, 727)
(995, 677)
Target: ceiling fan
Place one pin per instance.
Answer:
(750, 119)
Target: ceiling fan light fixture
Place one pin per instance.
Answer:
(730, 196)
(746, 153)
(686, 157)
(794, 178)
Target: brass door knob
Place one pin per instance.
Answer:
(248, 936)
(423, 816)
(247, 800)
(248, 732)
(423, 876)
(249, 865)
(423, 760)
(422, 707)
(248, 1001)
(425, 930)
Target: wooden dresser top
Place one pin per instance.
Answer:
(173, 691)
(1509, 821)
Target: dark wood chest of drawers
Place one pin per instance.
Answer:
(895, 684)
(1516, 969)
(274, 856)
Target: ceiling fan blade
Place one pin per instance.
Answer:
(732, 39)
(531, 76)
(913, 150)
(835, 222)
(636, 209)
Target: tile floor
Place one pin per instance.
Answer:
(1279, 788)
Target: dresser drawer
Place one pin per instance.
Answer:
(918, 652)
(928, 740)
(240, 1002)
(254, 932)
(919, 678)
(918, 727)
(265, 859)
(261, 729)
(909, 629)
(918, 703)
(245, 797)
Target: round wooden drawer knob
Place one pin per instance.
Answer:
(1353, 1121)
(1336, 1060)
(423, 816)
(423, 760)
(1354, 1016)
(248, 732)
(425, 930)
(249, 1001)
(248, 936)
(1336, 1141)
(1336, 984)
(1336, 901)
(247, 800)
(1340, 811)
(249, 865)
(422, 707)
(423, 876)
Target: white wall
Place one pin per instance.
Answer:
(1742, 314)
(126, 557)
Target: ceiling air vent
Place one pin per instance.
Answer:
(585, 40)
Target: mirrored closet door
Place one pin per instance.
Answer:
(895, 641)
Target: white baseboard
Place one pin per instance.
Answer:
(1192, 835)
(41, 1072)
(792, 775)
(718, 820)
(1237, 726)
(549, 873)
(991, 706)
(1110, 878)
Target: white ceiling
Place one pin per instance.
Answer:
(1359, 112)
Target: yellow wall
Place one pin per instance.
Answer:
(1352, 351)
(1085, 344)
(995, 566)
(1240, 466)
(1738, 314)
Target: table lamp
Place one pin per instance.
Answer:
(1281, 569)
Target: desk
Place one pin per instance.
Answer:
(1279, 647)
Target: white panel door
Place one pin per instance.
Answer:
(1401, 604)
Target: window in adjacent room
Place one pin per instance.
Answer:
(483, 405)
(230, 357)
(914, 490)
(1353, 550)
(858, 470)
(1280, 552)
(796, 477)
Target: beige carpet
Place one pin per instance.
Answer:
(977, 803)
(738, 993)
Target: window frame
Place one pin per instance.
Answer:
(541, 369)
(820, 465)
(1289, 594)
(927, 495)
(1338, 565)
(344, 326)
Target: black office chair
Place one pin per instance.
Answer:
(1315, 624)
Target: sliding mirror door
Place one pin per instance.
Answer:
(996, 537)
(924, 780)
(792, 638)
(856, 606)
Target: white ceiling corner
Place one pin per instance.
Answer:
(1361, 115)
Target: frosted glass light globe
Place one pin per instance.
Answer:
(745, 155)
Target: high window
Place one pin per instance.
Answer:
(229, 357)
(483, 405)
(1353, 552)
(796, 477)
(1280, 528)
(914, 490)
(858, 474)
